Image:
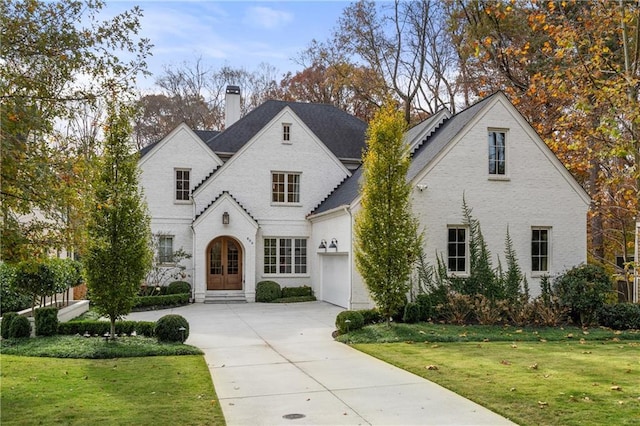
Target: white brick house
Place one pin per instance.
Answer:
(273, 197)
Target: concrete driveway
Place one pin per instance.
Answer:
(277, 364)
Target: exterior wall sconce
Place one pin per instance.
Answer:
(225, 218)
(334, 244)
(323, 245)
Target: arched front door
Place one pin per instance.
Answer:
(224, 264)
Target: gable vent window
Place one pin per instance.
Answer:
(182, 184)
(286, 133)
(497, 153)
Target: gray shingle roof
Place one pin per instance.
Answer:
(348, 191)
(342, 133)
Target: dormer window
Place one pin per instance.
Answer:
(497, 153)
(286, 133)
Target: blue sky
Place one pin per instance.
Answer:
(236, 33)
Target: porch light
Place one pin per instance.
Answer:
(323, 245)
(334, 244)
(225, 218)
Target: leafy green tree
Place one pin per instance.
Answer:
(119, 254)
(387, 238)
(56, 56)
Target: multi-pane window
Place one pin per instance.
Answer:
(497, 153)
(182, 185)
(286, 132)
(457, 249)
(165, 249)
(540, 250)
(285, 255)
(285, 187)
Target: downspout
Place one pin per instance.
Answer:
(193, 251)
(347, 210)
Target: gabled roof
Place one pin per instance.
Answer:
(205, 135)
(439, 128)
(341, 132)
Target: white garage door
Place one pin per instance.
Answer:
(335, 279)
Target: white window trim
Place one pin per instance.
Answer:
(286, 132)
(160, 238)
(286, 203)
(465, 273)
(175, 185)
(540, 274)
(293, 266)
(498, 177)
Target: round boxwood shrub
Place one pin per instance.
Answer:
(20, 327)
(46, 321)
(267, 291)
(371, 316)
(179, 287)
(7, 319)
(167, 328)
(347, 321)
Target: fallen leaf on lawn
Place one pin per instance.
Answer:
(586, 398)
(570, 336)
(512, 389)
(514, 346)
(485, 340)
(518, 331)
(421, 332)
(463, 334)
(617, 332)
(542, 404)
(543, 340)
(534, 366)
(505, 362)
(615, 339)
(213, 402)
(585, 332)
(616, 388)
(586, 352)
(432, 367)
(435, 346)
(620, 402)
(546, 376)
(582, 341)
(409, 342)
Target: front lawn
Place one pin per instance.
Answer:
(533, 377)
(155, 390)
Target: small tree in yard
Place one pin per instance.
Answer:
(387, 238)
(118, 256)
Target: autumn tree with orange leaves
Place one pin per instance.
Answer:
(572, 68)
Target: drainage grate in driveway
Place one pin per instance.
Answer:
(293, 416)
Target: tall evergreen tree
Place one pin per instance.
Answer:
(118, 255)
(387, 237)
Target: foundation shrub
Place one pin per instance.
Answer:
(370, 316)
(583, 290)
(168, 329)
(7, 319)
(412, 313)
(458, 309)
(347, 321)
(621, 316)
(150, 302)
(427, 306)
(296, 291)
(295, 299)
(489, 312)
(46, 321)
(268, 291)
(19, 327)
(179, 287)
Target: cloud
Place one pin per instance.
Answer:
(266, 17)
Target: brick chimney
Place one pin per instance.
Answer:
(232, 106)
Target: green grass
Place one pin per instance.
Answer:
(531, 376)
(427, 332)
(93, 347)
(159, 390)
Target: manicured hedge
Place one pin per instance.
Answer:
(295, 299)
(178, 287)
(46, 321)
(296, 291)
(99, 328)
(166, 300)
(7, 319)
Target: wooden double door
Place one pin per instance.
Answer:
(224, 264)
